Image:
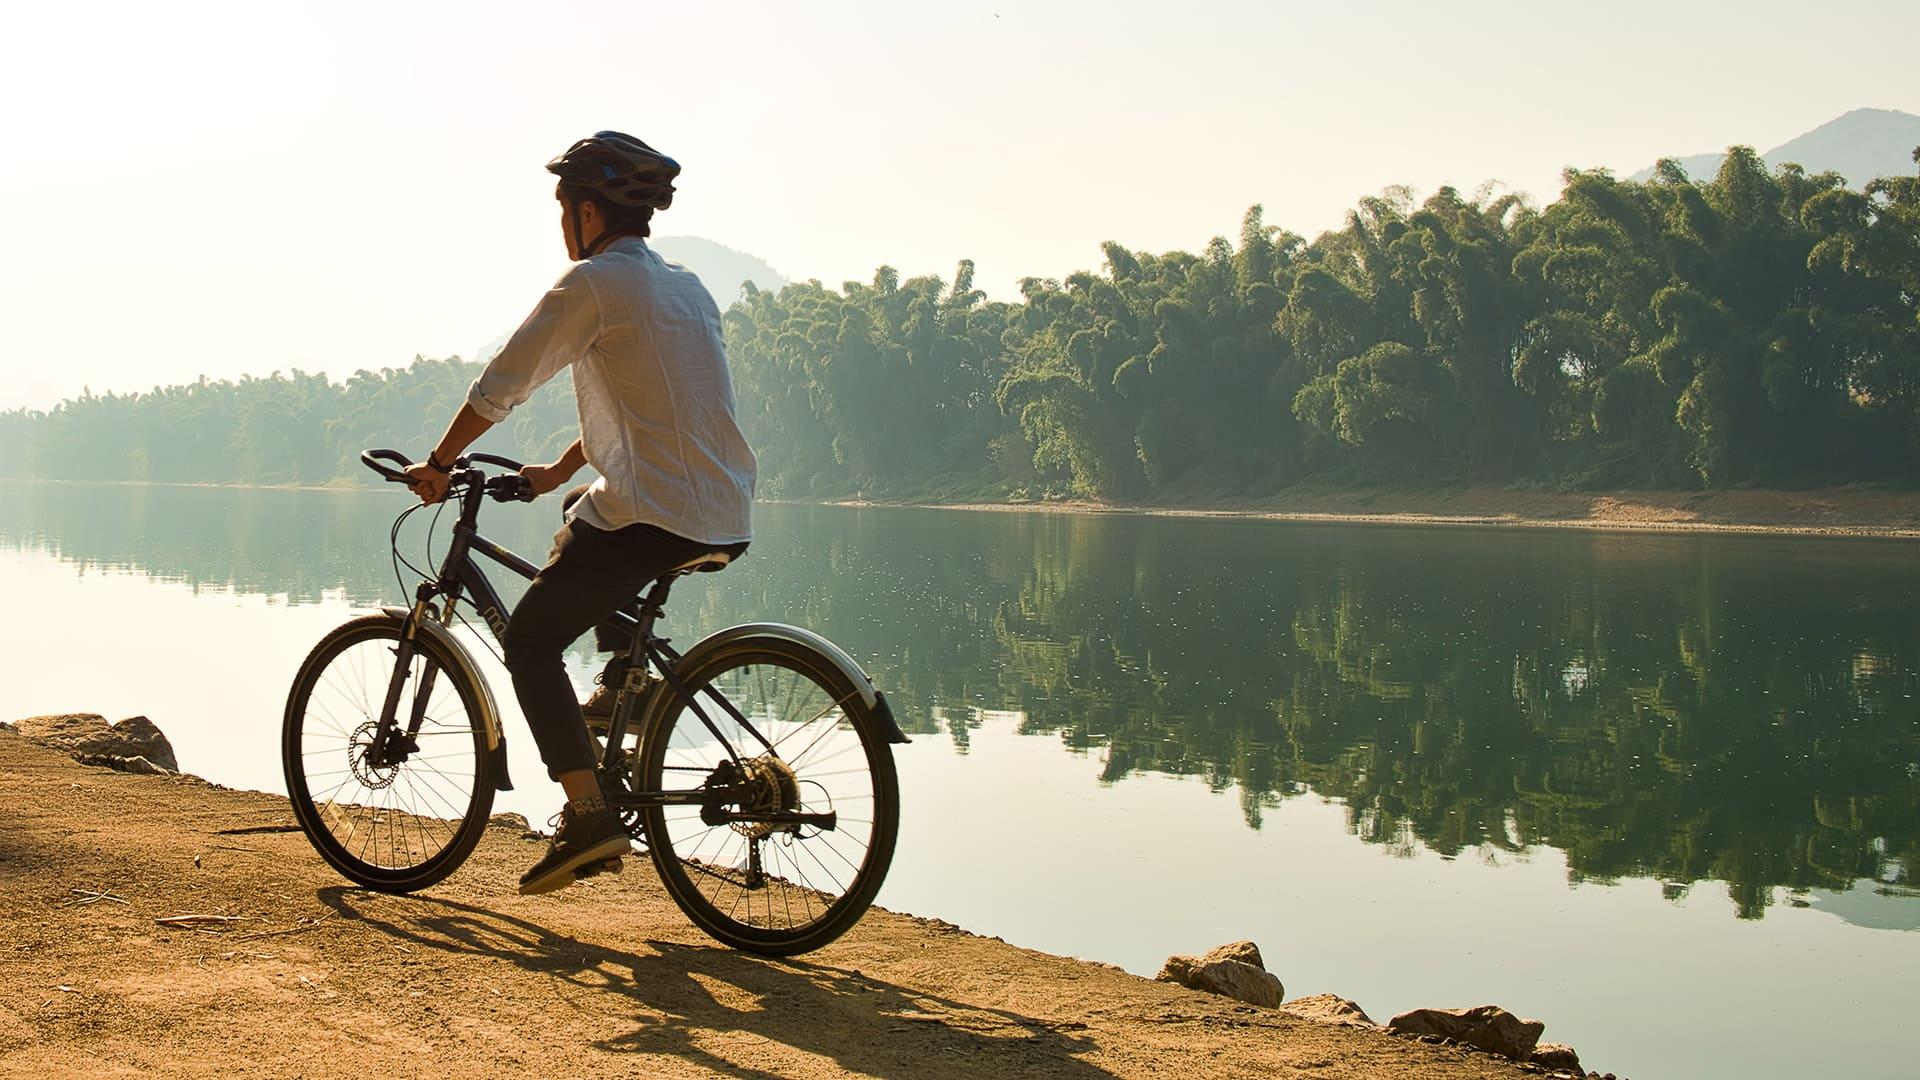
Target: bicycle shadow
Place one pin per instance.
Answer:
(684, 991)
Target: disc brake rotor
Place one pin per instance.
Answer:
(358, 749)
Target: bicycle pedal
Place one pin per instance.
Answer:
(605, 866)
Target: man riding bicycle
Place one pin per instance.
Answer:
(657, 423)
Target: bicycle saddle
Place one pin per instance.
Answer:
(708, 563)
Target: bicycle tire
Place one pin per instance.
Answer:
(676, 836)
(422, 823)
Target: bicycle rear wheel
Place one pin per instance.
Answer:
(775, 889)
(395, 825)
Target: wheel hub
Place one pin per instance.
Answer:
(371, 768)
(772, 788)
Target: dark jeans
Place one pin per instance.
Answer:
(590, 575)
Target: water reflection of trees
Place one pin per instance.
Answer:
(301, 544)
(1685, 709)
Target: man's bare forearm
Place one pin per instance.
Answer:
(572, 461)
(467, 426)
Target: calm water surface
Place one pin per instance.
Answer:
(1661, 792)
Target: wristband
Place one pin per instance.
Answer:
(437, 467)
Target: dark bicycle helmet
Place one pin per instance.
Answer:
(620, 168)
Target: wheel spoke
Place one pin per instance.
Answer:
(817, 757)
(377, 825)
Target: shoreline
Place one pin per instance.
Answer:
(1826, 513)
(1851, 512)
(469, 978)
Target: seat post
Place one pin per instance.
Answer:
(653, 605)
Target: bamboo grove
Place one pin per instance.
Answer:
(1760, 328)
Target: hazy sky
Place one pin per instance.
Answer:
(226, 188)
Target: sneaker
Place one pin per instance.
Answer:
(611, 866)
(587, 838)
(598, 708)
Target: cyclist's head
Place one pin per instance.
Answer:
(612, 181)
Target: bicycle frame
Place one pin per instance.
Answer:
(461, 574)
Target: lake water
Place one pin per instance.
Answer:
(1660, 792)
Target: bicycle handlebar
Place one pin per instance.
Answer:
(510, 487)
(507, 487)
(495, 459)
(372, 459)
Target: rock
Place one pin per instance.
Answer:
(1244, 951)
(1238, 980)
(135, 764)
(509, 821)
(89, 733)
(61, 730)
(1328, 1009)
(1489, 1027)
(1233, 970)
(1556, 1057)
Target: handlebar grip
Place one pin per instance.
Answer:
(372, 459)
(511, 487)
(495, 459)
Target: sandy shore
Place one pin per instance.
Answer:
(311, 977)
(1848, 511)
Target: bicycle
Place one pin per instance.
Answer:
(393, 747)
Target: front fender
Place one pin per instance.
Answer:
(489, 710)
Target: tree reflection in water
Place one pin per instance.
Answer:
(1682, 708)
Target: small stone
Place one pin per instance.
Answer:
(1488, 1027)
(134, 764)
(1556, 1057)
(1231, 978)
(1328, 1009)
(1244, 951)
(509, 821)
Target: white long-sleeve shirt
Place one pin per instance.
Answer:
(650, 380)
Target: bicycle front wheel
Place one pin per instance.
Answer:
(809, 749)
(397, 817)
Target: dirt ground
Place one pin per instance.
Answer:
(310, 977)
(1846, 511)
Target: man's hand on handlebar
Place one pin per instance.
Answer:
(544, 478)
(427, 482)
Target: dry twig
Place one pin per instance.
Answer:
(194, 920)
(309, 924)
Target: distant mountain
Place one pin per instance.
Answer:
(1860, 146)
(721, 270)
(719, 266)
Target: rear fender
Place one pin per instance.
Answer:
(489, 710)
(797, 635)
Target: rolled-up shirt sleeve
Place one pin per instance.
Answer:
(560, 330)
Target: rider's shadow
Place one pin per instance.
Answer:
(683, 993)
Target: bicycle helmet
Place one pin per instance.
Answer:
(619, 168)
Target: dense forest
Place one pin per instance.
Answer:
(1759, 328)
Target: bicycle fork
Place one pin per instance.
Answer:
(391, 745)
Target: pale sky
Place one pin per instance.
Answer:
(219, 189)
